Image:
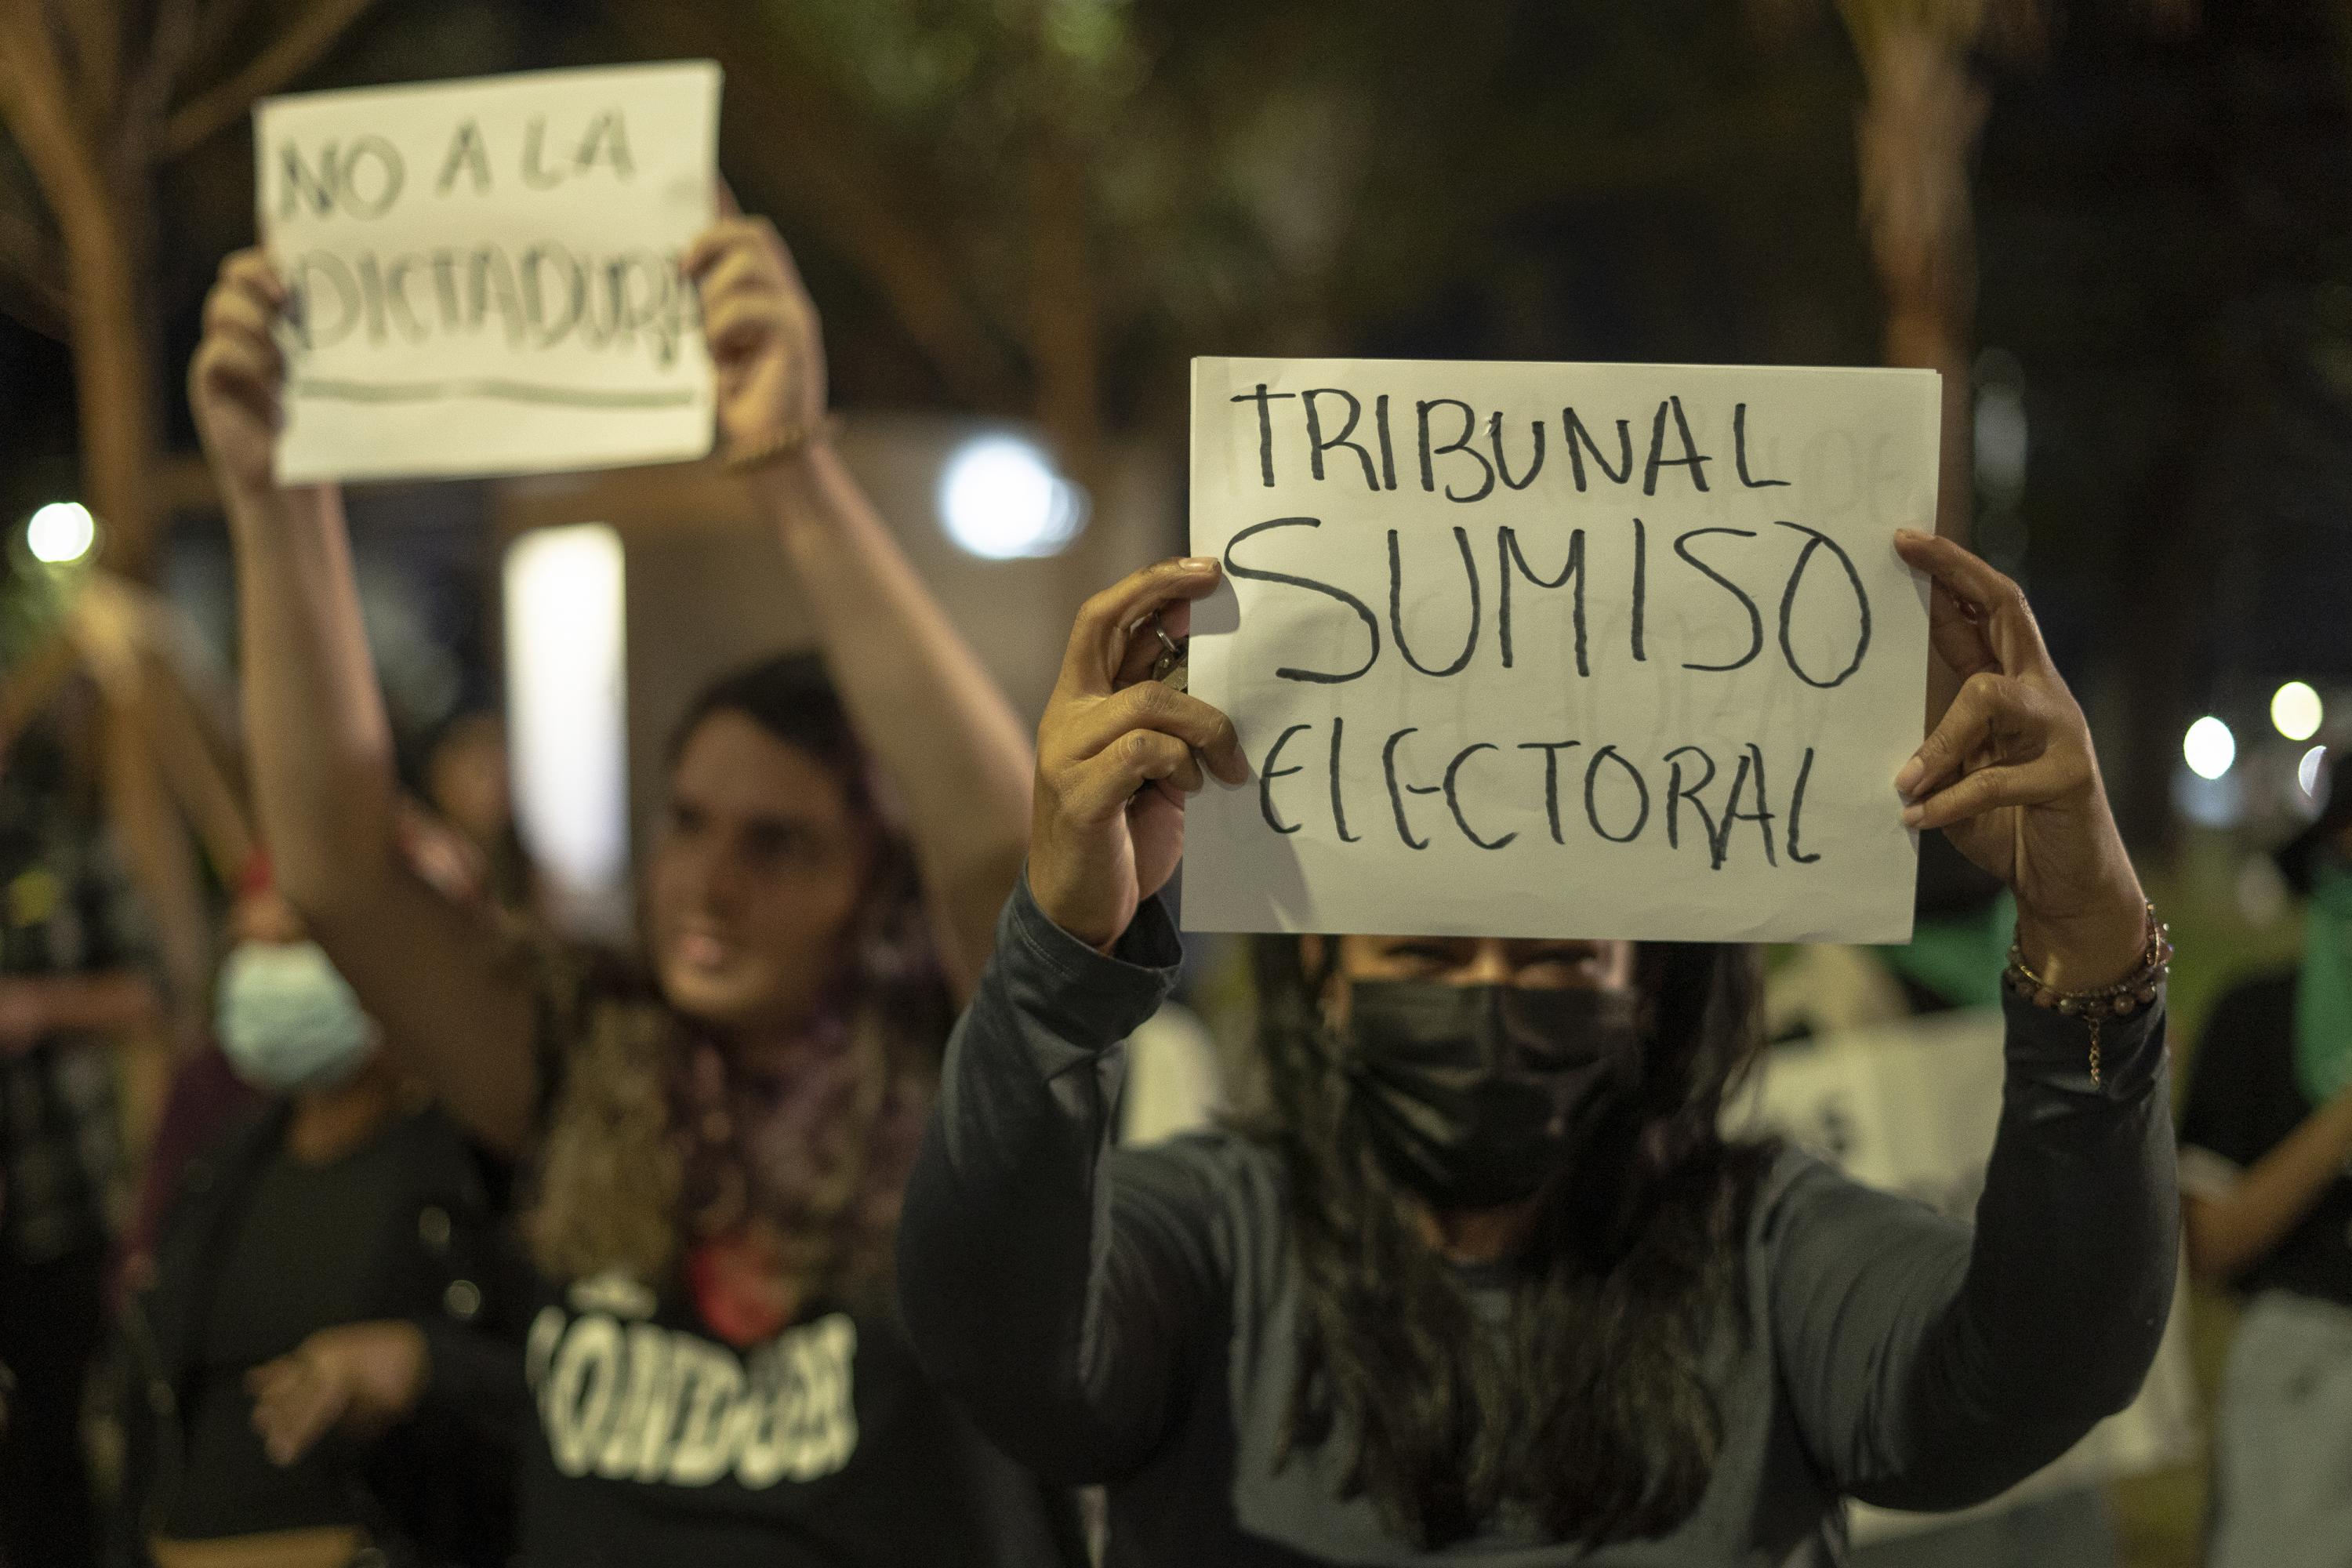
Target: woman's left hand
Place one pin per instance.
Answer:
(767, 350)
(2008, 773)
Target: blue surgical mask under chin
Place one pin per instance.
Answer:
(288, 1020)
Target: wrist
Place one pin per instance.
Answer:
(250, 508)
(2094, 938)
(782, 445)
(1066, 909)
(802, 484)
(265, 511)
(2072, 970)
(2085, 952)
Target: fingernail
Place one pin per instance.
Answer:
(1905, 781)
(1199, 563)
(1913, 816)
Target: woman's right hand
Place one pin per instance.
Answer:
(361, 1376)
(1118, 752)
(235, 381)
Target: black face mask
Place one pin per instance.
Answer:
(1473, 1094)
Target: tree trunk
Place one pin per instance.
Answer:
(97, 202)
(1062, 319)
(1918, 135)
(157, 852)
(114, 390)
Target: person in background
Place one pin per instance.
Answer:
(308, 1242)
(76, 971)
(2266, 1208)
(716, 1375)
(1489, 1283)
(205, 1093)
(466, 780)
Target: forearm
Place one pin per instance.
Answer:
(118, 1002)
(324, 779)
(316, 732)
(1002, 1256)
(2228, 1235)
(2070, 1274)
(936, 724)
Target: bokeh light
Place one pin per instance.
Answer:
(2306, 772)
(1000, 500)
(2209, 748)
(61, 532)
(2295, 710)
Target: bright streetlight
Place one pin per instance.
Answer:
(2209, 748)
(2295, 710)
(1001, 498)
(61, 532)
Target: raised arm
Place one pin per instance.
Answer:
(1054, 1286)
(32, 1007)
(320, 746)
(2239, 1197)
(1930, 1366)
(938, 726)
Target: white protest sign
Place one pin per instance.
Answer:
(1912, 1108)
(1559, 650)
(485, 272)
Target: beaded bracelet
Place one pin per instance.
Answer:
(784, 443)
(2121, 1000)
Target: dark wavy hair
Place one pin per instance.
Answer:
(1592, 1411)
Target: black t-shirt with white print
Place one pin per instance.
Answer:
(2244, 1101)
(660, 1444)
(656, 1444)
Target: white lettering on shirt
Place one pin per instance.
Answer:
(659, 1405)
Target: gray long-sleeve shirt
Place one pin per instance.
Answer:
(1131, 1316)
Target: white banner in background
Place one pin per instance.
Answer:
(485, 271)
(1559, 650)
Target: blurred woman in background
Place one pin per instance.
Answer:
(717, 1154)
(2266, 1206)
(324, 1233)
(466, 776)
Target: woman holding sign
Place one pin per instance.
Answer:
(715, 1159)
(1487, 1276)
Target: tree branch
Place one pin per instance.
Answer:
(30, 261)
(304, 43)
(217, 22)
(172, 45)
(863, 207)
(34, 101)
(1065, 312)
(94, 29)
